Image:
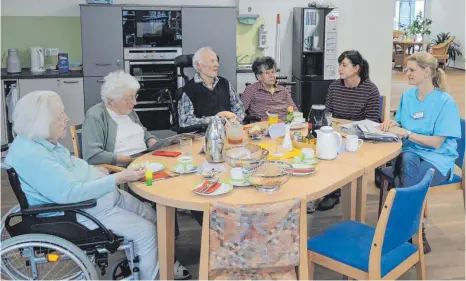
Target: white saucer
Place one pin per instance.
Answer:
(298, 126)
(240, 184)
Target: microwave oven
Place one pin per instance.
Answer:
(152, 28)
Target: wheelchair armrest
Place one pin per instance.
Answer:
(50, 208)
(111, 168)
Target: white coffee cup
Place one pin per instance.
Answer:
(307, 154)
(353, 143)
(185, 164)
(237, 174)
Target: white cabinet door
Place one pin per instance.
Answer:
(28, 85)
(71, 93)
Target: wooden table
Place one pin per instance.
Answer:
(402, 58)
(348, 172)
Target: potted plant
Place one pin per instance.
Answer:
(454, 48)
(420, 26)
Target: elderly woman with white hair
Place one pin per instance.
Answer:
(112, 131)
(50, 174)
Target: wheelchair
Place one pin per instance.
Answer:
(37, 246)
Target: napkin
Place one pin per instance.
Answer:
(166, 153)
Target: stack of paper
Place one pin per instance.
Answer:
(367, 129)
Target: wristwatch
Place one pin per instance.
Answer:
(409, 134)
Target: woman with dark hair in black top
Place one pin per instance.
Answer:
(352, 97)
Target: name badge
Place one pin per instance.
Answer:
(418, 115)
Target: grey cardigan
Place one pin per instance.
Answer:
(99, 135)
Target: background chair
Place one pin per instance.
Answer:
(76, 137)
(457, 183)
(440, 52)
(360, 251)
(264, 241)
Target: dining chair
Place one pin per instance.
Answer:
(457, 183)
(382, 108)
(360, 251)
(263, 241)
(76, 137)
(440, 51)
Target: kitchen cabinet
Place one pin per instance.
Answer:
(4, 120)
(92, 91)
(71, 93)
(214, 27)
(102, 39)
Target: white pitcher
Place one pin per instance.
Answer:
(328, 143)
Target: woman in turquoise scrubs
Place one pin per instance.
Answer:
(428, 121)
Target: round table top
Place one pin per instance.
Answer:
(330, 175)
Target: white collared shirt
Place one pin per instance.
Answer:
(130, 135)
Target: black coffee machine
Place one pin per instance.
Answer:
(314, 55)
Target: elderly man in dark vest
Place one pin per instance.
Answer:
(207, 94)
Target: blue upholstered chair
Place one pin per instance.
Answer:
(360, 251)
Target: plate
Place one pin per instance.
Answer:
(149, 165)
(240, 183)
(305, 174)
(192, 171)
(298, 126)
(300, 169)
(224, 188)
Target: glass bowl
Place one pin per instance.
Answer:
(244, 155)
(268, 176)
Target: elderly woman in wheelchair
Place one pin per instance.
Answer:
(65, 197)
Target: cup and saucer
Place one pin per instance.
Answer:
(237, 177)
(307, 157)
(185, 166)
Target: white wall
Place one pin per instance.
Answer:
(448, 16)
(365, 25)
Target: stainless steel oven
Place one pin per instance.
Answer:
(155, 70)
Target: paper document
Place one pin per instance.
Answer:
(367, 129)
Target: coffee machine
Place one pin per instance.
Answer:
(314, 55)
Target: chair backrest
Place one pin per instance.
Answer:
(184, 61)
(16, 186)
(76, 137)
(404, 214)
(461, 146)
(397, 33)
(442, 48)
(255, 236)
(382, 107)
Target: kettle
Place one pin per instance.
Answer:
(328, 143)
(12, 63)
(37, 59)
(215, 138)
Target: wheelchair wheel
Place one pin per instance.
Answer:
(44, 257)
(4, 232)
(121, 269)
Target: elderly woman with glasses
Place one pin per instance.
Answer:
(265, 95)
(50, 174)
(112, 131)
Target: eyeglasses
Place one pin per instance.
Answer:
(131, 99)
(270, 72)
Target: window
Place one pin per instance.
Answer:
(405, 12)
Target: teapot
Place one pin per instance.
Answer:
(328, 143)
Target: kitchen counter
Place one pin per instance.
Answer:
(27, 74)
